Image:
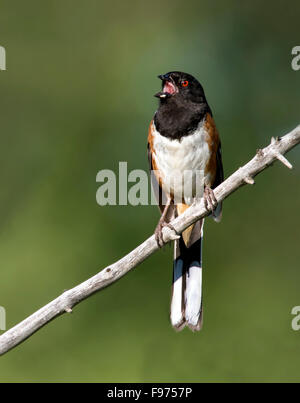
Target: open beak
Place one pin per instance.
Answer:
(169, 87)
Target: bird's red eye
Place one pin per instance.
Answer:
(184, 83)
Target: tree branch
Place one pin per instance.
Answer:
(66, 301)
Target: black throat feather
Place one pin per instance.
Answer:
(177, 118)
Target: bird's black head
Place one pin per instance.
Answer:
(180, 87)
(182, 105)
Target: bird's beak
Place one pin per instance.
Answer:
(163, 77)
(169, 87)
(162, 94)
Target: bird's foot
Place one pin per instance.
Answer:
(210, 200)
(158, 232)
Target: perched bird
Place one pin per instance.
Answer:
(184, 152)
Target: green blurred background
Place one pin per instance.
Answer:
(77, 97)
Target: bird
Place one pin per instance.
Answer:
(185, 160)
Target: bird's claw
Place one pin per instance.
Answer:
(159, 234)
(210, 200)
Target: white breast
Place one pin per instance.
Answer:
(181, 164)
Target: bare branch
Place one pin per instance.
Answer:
(249, 180)
(282, 159)
(66, 301)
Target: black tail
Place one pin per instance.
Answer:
(186, 304)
